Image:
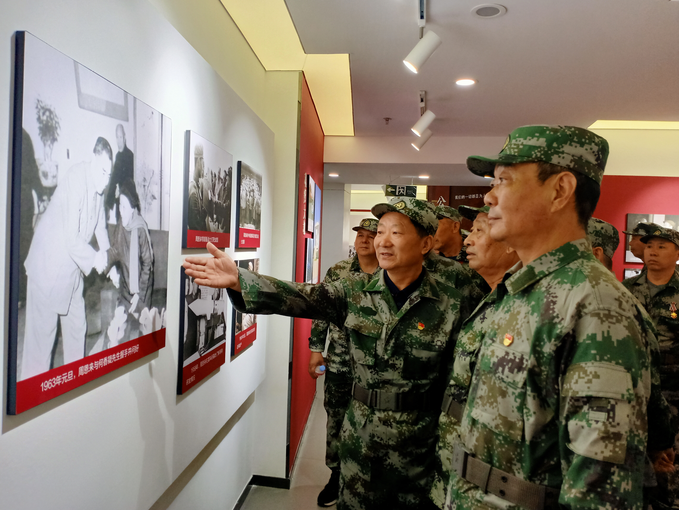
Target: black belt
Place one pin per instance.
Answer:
(390, 401)
(452, 408)
(529, 495)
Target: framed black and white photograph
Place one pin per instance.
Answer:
(89, 226)
(249, 209)
(664, 220)
(310, 204)
(202, 327)
(207, 193)
(244, 324)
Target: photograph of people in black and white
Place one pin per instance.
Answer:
(208, 197)
(91, 220)
(242, 322)
(204, 323)
(250, 194)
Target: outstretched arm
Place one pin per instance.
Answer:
(218, 271)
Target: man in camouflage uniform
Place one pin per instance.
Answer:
(491, 260)
(338, 378)
(604, 239)
(658, 290)
(556, 360)
(448, 239)
(635, 245)
(402, 325)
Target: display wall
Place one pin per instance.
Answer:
(125, 440)
(622, 195)
(303, 387)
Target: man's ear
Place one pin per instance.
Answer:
(564, 185)
(427, 244)
(598, 252)
(456, 226)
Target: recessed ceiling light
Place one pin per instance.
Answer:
(333, 175)
(424, 177)
(465, 82)
(489, 10)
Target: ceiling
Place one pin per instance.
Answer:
(543, 62)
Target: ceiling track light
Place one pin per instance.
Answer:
(425, 121)
(422, 51)
(427, 43)
(419, 143)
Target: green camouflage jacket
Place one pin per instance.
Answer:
(460, 276)
(321, 330)
(557, 361)
(393, 350)
(406, 350)
(664, 311)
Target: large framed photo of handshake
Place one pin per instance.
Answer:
(207, 202)
(90, 199)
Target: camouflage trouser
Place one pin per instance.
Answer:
(336, 401)
(449, 435)
(386, 462)
(666, 494)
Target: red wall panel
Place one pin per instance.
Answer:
(622, 195)
(310, 162)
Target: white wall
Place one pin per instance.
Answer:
(335, 239)
(120, 442)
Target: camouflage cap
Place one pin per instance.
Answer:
(369, 224)
(568, 146)
(471, 213)
(604, 235)
(642, 229)
(444, 211)
(663, 233)
(419, 211)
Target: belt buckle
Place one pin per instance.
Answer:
(460, 456)
(387, 401)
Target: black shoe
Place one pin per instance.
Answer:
(328, 496)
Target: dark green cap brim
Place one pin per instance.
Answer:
(470, 212)
(483, 166)
(666, 237)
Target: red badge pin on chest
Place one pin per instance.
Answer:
(508, 340)
(420, 326)
(673, 310)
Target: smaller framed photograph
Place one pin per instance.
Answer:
(310, 204)
(317, 236)
(249, 210)
(202, 326)
(309, 261)
(631, 273)
(207, 200)
(244, 324)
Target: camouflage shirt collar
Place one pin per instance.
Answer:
(523, 276)
(642, 279)
(355, 265)
(427, 289)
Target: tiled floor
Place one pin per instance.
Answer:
(309, 475)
